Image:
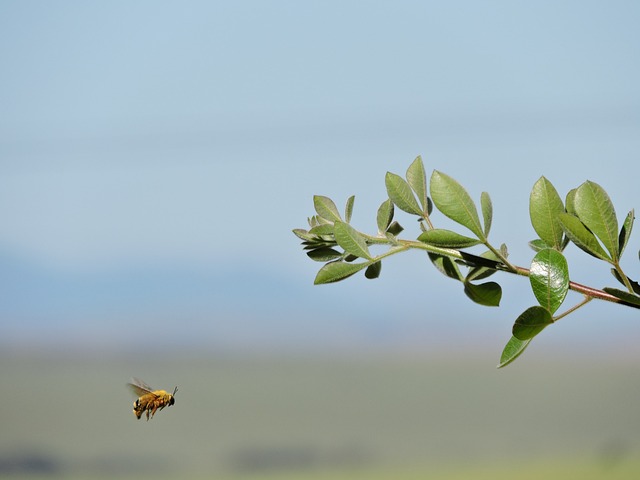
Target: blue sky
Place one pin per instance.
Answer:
(154, 157)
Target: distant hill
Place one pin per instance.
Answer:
(230, 307)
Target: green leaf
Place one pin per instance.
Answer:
(487, 294)
(569, 202)
(446, 266)
(549, 277)
(429, 206)
(531, 322)
(324, 229)
(473, 261)
(385, 215)
(635, 286)
(316, 220)
(594, 209)
(351, 240)
(373, 270)
(537, 245)
(454, 202)
(512, 350)
(401, 194)
(318, 242)
(544, 207)
(348, 210)
(623, 295)
(625, 232)
(302, 234)
(395, 228)
(440, 237)
(336, 271)
(479, 272)
(581, 236)
(487, 212)
(417, 179)
(326, 208)
(323, 254)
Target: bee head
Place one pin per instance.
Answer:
(172, 399)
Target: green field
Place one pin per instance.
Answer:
(373, 417)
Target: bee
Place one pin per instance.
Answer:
(149, 400)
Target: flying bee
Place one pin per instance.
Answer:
(149, 400)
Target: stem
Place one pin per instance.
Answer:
(585, 290)
(447, 252)
(465, 257)
(503, 259)
(584, 301)
(428, 220)
(514, 269)
(392, 251)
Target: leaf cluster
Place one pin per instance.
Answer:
(586, 218)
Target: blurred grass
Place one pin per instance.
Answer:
(579, 469)
(320, 418)
(549, 471)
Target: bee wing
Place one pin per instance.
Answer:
(139, 387)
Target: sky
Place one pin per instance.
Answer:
(155, 156)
